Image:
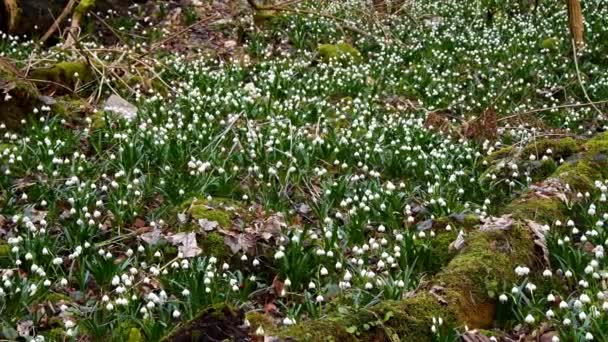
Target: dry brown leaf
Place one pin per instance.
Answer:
(540, 240)
(186, 244)
(24, 328)
(459, 243)
(207, 225)
(151, 238)
(504, 222)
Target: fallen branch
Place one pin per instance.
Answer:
(67, 10)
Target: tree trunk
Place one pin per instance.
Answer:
(575, 19)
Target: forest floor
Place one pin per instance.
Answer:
(309, 171)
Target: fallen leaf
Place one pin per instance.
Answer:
(182, 218)
(474, 336)
(459, 243)
(24, 328)
(151, 238)
(34, 215)
(207, 225)
(240, 242)
(504, 222)
(139, 223)
(229, 44)
(540, 240)
(425, 225)
(186, 244)
(304, 209)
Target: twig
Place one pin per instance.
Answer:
(580, 81)
(60, 18)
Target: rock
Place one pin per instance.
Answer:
(121, 107)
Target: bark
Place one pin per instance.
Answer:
(575, 20)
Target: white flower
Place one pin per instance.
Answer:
(279, 255)
(176, 313)
(529, 319)
(503, 298)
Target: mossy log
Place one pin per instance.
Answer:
(464, 292)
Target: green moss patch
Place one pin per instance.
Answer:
(340, 51)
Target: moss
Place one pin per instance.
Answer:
(580, 175)
(212, 210)
(472, 279)
(55, 297)
(501, 153)
(264, 16)
(440, 250)
(69, 107)
(340, 51)
(213, 245)
(84, 6)
(319, 330)
(135, 335)
(549, 43)
(56, 334)
(259, 319)
(411, 318)
(561, 148)
(5, 254)
(68, 74)
(545, 210)
(597, 145)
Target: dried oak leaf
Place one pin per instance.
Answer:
(504, 222)
(186, 244)
(207, 225)
(152, 237)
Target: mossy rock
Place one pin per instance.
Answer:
(219, 210)
(342, 52)
(67, 74)
(560, 148)
(69, 108)
(543, 210)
